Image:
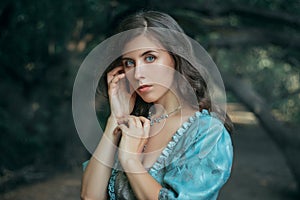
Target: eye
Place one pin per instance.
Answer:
(150, 58)
(128, 63)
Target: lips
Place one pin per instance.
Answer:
(144, 88)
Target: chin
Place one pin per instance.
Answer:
(148, 99)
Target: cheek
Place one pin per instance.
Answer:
(162, 76)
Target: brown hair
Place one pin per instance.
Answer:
(141, 21)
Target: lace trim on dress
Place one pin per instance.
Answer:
(161, 161)
(111, 184)
(163, 194)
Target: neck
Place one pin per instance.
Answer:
(170, 102)
(167, 103)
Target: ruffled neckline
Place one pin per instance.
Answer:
(161, 160)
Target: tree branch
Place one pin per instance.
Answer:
(286, 139)
(256, 37)
(278, 16)
(209, 8)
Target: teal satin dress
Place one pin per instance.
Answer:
(195, 164)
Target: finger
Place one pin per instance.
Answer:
(123, 84)
(146, 131)
(138, 122)
(146, 126)
(116, 70)
(117, 131)
(117, 78)
(113, 85)
(113, 73)
(123, 128)
(144, 120)
(131, 122)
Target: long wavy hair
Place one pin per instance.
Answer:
(160, 27)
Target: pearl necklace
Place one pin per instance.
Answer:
(163, 116)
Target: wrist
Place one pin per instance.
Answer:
(112, 121)
(110, 130)
(133, 165)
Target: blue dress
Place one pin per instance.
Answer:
(195, 164)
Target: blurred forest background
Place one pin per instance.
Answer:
(255, 44)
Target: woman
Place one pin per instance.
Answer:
(169, 136)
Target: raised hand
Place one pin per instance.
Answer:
(121, 97)
(134, 138)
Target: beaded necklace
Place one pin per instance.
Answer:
(163, 116)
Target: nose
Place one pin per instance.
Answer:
(138, 71)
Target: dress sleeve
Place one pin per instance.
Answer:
(84, 165)
(203, 169)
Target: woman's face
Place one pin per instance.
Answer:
(149, 68)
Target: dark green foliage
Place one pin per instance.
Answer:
(43, 42)
(36, 77)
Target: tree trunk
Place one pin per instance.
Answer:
(287, 140)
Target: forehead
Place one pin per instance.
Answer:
(141, 43)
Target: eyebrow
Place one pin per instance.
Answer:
(150, 51)
(146, 52)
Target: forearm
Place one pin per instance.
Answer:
(142, 183)
(98, 171)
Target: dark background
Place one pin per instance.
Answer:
(255, 44)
